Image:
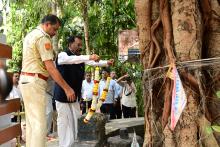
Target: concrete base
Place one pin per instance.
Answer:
(86, 144)
(116, 141)
(113, 126)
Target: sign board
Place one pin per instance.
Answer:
(128, 45)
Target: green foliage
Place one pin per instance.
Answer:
(209, 130)
(106, 18)
(134, 70)
(216, 128)
(218, 94)
(23, 17)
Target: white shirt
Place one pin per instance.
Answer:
(112, 91)
(15, 93)
(87, 89)
(129, 95)
(63, 58)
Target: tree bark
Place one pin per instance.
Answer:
(143, 13)
(55, 38)
(187, 33)
(190, 32)
(84, 5)
(212, 38)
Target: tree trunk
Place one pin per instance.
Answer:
(187, 33)
(55, 38)
(84, 6)
(184, 24)
(143, 13)
(212, 47)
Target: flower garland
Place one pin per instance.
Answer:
(104, 93)
(94, 105)
(94, 96)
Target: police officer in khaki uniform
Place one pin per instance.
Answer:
(37, 65)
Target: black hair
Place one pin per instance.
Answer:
(71, 39)
(53, 19)
(106, 69)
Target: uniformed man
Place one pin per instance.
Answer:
(37, 65)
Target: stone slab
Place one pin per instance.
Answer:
(113, 126)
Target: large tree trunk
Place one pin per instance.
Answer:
(212, 47)
(143, 13)
(184, 23)
(187, 33)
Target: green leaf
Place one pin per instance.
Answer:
(209, 130)
(218, 94)
(216, 128)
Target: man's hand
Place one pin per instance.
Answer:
(70, 94)
(110, 62)
(94, 57)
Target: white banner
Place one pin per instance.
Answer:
(179, 99)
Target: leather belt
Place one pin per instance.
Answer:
(35, 74)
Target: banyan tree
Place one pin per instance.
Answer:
(184, 34)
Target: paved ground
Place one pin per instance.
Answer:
(111, 126)
(53, 143)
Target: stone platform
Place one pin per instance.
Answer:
(113, 126)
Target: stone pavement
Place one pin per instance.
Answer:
(53, 143)
(112, 128)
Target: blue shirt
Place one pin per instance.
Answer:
(112, 91)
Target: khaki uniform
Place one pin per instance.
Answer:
(37, 47)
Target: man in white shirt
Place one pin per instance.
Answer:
(71, 65)
(87, 87)
(15, 92)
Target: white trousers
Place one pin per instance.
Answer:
(67, 123)
(33, 92)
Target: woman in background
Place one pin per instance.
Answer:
(128, 99)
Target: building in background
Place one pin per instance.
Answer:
(128, 46)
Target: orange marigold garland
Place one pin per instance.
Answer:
(104, 93)
(94, 97)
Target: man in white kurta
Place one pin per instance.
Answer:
(71, 66)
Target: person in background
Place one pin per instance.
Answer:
(37, 66)
(49, 106)
(87, 89)
(15, 93)
(111, 98)
(71, 65)
(128, 99)
(117, 104)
